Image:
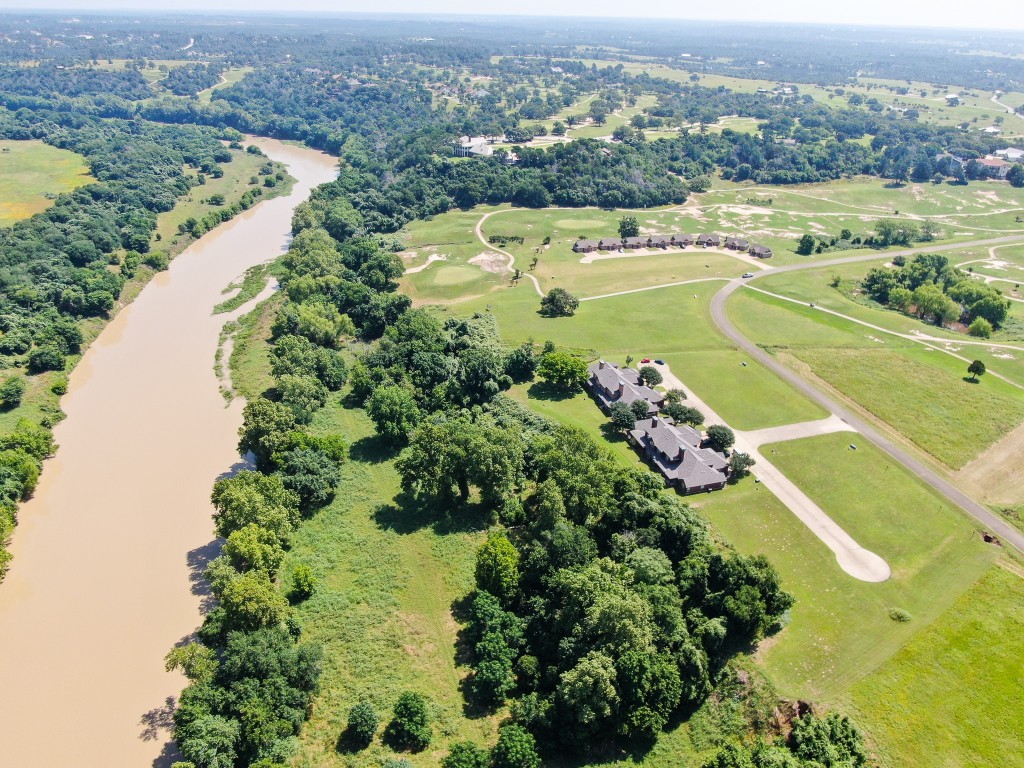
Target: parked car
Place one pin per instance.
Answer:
(660, 362)
(748, 274)
(646, 360)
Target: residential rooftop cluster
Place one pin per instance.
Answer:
(673, 449)
(994, 166)
(674, 241)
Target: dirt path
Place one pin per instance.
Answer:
(852, 558)
(110, 549)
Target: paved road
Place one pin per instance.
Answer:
(987, 518)
(852, 557)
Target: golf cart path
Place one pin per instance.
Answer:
(852, 558)
(511, 258)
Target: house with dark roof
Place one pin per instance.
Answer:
(709, 240)
(737, 243)
(585, 246)
(659, 241)
(634, 242)
(674, 450)
(611, 384)
(609, 244)
(760, 251)
(682, 241)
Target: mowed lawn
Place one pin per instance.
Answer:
(952, 696)
(923, 395)
(31, 172)
(918, 391)
(841, 629)
(668, 323)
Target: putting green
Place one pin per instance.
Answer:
(455, 275)
(580, 223)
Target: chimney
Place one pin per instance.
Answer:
(600, 365)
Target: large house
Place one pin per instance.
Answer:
(737, 243)
(996, 169)
(1011, 154)
(585, 246)
(611, 384)
(709, 240)
(675, 451)
(474, 146)
(760, 251)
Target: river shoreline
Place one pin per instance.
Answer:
(110, 549)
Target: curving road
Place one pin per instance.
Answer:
(987, 518)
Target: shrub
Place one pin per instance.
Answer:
(362, 724)
(980, 328)
(46, 358)
(899, 615)
(158, 260)
(303, 585)
(516, 748)
(11, 392)
(466, 754)
(410, 726)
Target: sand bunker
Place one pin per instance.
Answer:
(489, 261)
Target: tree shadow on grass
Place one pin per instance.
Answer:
(409, 514)
(612, 433)
(372, 449)
(541, 390)
(971, 380)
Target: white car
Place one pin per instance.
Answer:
(748, 274)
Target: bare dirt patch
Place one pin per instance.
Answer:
(492, 262)
(997, 474)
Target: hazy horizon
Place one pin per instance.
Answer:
(940, 14)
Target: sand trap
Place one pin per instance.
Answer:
(489, 261)
(430, 260)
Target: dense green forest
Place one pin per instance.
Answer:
(603, 610)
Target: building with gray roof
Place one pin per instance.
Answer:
(674, 450)
(611, 384)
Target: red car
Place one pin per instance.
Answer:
(646, 360)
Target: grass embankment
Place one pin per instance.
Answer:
(32, 174)
(387, 584)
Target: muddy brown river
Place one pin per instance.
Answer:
(108, 552)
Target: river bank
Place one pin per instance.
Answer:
(119, 527)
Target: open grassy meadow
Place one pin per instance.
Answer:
(951, 696)
(917, 390)
(32, 173)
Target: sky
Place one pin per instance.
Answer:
(993, 14)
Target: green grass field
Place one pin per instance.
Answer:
(31, 173)
(918, 391)
(230, 77)
(951, 696)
